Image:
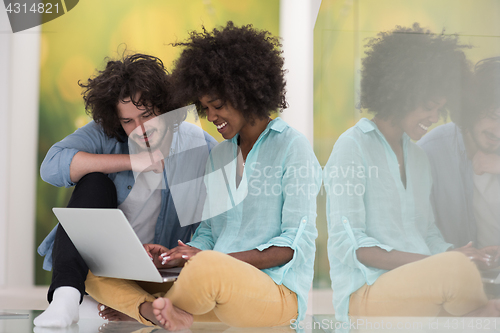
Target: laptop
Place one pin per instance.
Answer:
(109, 246)
(491, 276)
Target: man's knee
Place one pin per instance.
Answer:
(94, 190)
(95, 179)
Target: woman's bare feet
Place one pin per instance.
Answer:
(171, 317)
(491, 309)
(112, 315)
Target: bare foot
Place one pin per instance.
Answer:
(111, 314)
(491, 309)
(170, 317)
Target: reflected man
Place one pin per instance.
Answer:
(465, 162)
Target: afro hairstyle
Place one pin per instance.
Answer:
(407, 67)
(239, 65)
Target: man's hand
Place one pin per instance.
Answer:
(154, 251)
(146, 161)
(486, 163)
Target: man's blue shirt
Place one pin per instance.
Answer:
(92, 139)
(453, 185)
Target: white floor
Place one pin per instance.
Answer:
(320, 307)
(35, 298)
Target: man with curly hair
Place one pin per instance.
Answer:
(130, 102)
(250, 263)
(465, 162)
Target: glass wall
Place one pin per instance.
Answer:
(341, 32)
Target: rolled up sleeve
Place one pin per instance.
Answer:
(301, 183)
(346, 211)
(55, 168)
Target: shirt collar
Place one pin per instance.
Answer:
(366, 126)
(276, 124)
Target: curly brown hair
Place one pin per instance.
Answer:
(240, 65)
(134, 75)
(482, 97)
(407, 67)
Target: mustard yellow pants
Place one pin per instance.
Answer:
(446, 284)
(212, 286)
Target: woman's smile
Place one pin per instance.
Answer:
(221, 126)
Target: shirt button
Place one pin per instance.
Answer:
(304, 221)
(129, 187)
(345, 221)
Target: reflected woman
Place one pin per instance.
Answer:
(387, 257)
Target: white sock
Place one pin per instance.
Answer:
(62, 311)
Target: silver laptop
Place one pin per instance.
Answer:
(491, 276)
(109, 245)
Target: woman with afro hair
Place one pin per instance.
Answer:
(250, 263)
(387, 257)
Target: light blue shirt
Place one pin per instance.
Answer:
(92, 139)
(273, 205)
(367, 206)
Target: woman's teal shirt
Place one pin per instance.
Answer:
(274, 204)
(367, 205)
